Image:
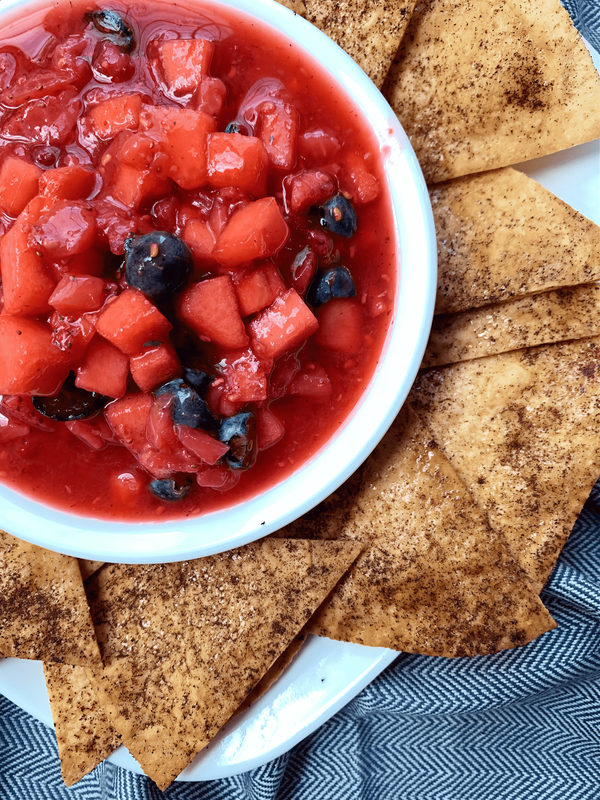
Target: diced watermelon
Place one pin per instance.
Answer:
(78, 294)
(184, 62)
(218, 400)
(105, 369)
(313, 381)
(51, 122)
(29, 362)
(114, 224)
(112, 62)
(142, 151)
(206, 449)
(121, 113)
(68, 228)
(341, 326)
(258, 289)
(88, 432)
(308, 188)
(134, 187)
(210, 95)
(256, 231)
(240, 161)
(278, 125)
(269, 429)
(201, 241)
(319, 146)
(128, 418)
(132, 320)
(19, 182)
(72, 334)
(358, 181)
(165, 453)
(284, 325)
(155, 365)
(210, 308)
(127, 487)
(219, 478)
(67, 183)
(245, 377)
(26, 281)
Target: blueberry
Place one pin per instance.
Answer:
(71, 402)
(337, 216)
(167, 489)
(157, 264)
(111, 23)
(239, 432)
(236, 127)
(197, 379)
(334, 283)
(187, 407)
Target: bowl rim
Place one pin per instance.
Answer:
(183, 539)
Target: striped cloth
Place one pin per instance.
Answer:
(520, 725)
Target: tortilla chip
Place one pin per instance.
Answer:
(84, 735)
(184, 643)
(88, 567)
(558, 316)
(480, 84)
(436, 578)
(522, 430)
(370, 31)
(502, 235)
(44, 612)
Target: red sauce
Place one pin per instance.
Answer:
(256, 67)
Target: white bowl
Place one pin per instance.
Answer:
(221, 530)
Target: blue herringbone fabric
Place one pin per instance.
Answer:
(520, 725)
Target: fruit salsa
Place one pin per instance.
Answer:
(197, 255)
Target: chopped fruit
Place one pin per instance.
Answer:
(211, 310)
(94, 432)
(235, 160)
(67, 183)
(269, 430)
(303, 269)
(256, 231)
(142, 152)
(70, 403)
(184, 62)
(358, 181)
(116, 114)
(9, 430)
(158, 264)
(201, 241)
(201, 444)
(165, 454)
(110, 61)
(283, 374)
(312, 382)
(338, 216)
(77, 294)
(135, 187)
(239, 433)
(210, 96)
(310, 187)
(72, 334)
(187, 407)
(244, 377)
(278, 124)
(105, 369)
(259, 289)
(26, 282)
(284, 325)
(128, 418)
(341, 326)
(67, 229)
(18, 184)
(130, 321)
(219, 478)
(91, 262)
(319, 146)
(109, 22)
(154, 365)
(127, 487)
(29, 363)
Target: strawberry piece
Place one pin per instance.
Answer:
(184, 62)
(128, 417)
(29, 362)
(121, 113)
(19, 182)
(259, 289)
(240, 161)
(155, 365)
(244, 376)
(269, 429)
(341, 326)
(284, 325)
(206, 449)
(105, 369)
(278, 125)
(131, 320)
(256, 231)
(211, 310)
(77, 294)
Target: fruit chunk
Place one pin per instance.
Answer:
(308, 188)
(256, 231)
(29, 362)
(134, 187)
(77, 294)
(67, 183)
(285, 324)
(211, 310)
(130, 321)
(26, 282)
(66, 229)
(240, 161)
(184, 61)
(269, 430)
(115, 115)
(219, 478)
(128, 418)
(278, 125)
(245, 377)
(72, 334)
(18, 184)
(340, 326)
(155, 365)
(201, 444)
(259, 289)
(201, 241)
(105, 369)
(312, 382)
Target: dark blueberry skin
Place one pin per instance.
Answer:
(197, 379)
(111, 23)
(337, 216)
(187, 407)
(236, 127)
(334, 283)
(71, 402)
(158, 264)
(239, 432)
(167, 489)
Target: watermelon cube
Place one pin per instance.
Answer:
(358, 181)
(116, 114)
(67, 183)
(201, 241)
(201, 444)
(240, 161)
(26, 281)
(341, 326)
(278, 124)
(313, 381)
(131, 320)
(76, 294)
(105, 369)
(19, 182)
(72, 334)
(258, 289)
(128, 417)
(135, 187)
(142, 151)
(245, 378)
(256, 231)
(211, 310)
(284, 325)
(219, 478)
(68, 228)
(184, 62)
(210, 95)
(88, 432)
(155, 365)
(29, 362)
(311, 187)
(269, 430)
